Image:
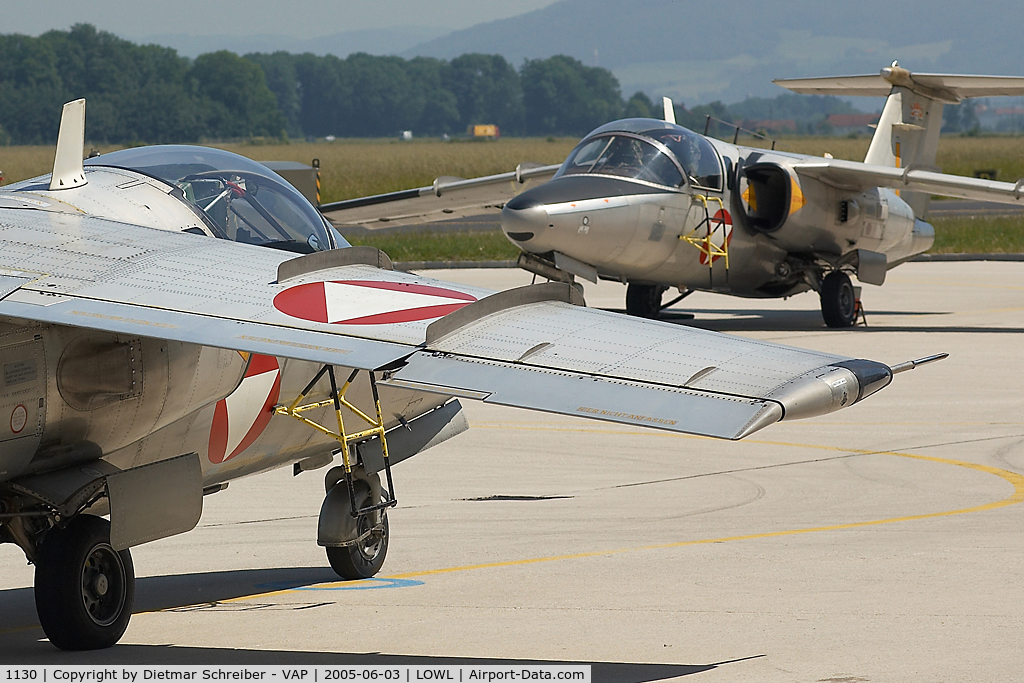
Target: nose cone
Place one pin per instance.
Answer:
(523, 218)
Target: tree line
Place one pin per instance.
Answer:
(148, 93)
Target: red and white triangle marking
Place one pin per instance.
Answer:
(239, 419)
(368, 302)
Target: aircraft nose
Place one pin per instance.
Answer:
(523, 217)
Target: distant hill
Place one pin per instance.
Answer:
(384, 41)
(730, 49)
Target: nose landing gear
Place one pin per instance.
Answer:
(362, 557)
(644, 301)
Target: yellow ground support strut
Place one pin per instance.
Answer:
(294, 410)
(703, 243)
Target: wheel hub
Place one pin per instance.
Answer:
(370, 546)
(103, 585)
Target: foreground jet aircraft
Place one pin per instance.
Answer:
(158, 340)
(655, 205)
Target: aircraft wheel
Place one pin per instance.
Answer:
(644, 301)
(838, 302)
(364, 559)
(84, 589)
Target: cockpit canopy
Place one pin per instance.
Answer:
(647, 150)
(237, 198)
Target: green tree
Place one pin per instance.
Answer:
(487, 90)
(283, 80)
(639, 106)
(236, 101)
(325, 94)
(561, 95)
(432, 108)
(382, 101)
(31, 89)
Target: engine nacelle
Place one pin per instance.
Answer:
(88, 393)
(802, 214)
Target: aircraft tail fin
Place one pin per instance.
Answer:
(670, 110)
(68, 171)
(907, 134)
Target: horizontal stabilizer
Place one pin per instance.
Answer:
(947, 88)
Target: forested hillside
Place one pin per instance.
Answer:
(147, 93)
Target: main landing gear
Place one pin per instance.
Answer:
(84, 589)
(839, 304)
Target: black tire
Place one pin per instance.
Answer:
(838, 301)
(84, 589)
(644, 301)
(364, 559)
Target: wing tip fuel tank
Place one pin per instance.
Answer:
(830, 388)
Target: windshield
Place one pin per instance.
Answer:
(624, 156)
(693, 152)
(241, 200)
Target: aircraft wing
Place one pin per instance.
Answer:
(446, 198)
(852, 175)
(532, 347)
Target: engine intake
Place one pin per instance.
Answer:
(767, 194)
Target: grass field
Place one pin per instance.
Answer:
(354, 168)
(444, 246)
(995, 235)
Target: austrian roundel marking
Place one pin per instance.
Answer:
(721, 234)
(368, 302)
(239, 419)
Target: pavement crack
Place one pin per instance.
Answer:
(257, 521)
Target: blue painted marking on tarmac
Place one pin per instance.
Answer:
(359, 585)
(363, 585)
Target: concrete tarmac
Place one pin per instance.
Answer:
(883, 543)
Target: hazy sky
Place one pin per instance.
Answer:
(297, 18)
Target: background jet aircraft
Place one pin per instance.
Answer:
(158, 340)
(655, 205)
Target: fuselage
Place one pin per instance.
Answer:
(642, 200)
(76, 395)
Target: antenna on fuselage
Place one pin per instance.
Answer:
(670, 110)
(67, 163)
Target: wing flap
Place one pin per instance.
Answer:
(558, 336)
(582, 395)
(10, 283)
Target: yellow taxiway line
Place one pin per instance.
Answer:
(1014, 479)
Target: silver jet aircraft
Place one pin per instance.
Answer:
(654, 205)
(173, 318)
